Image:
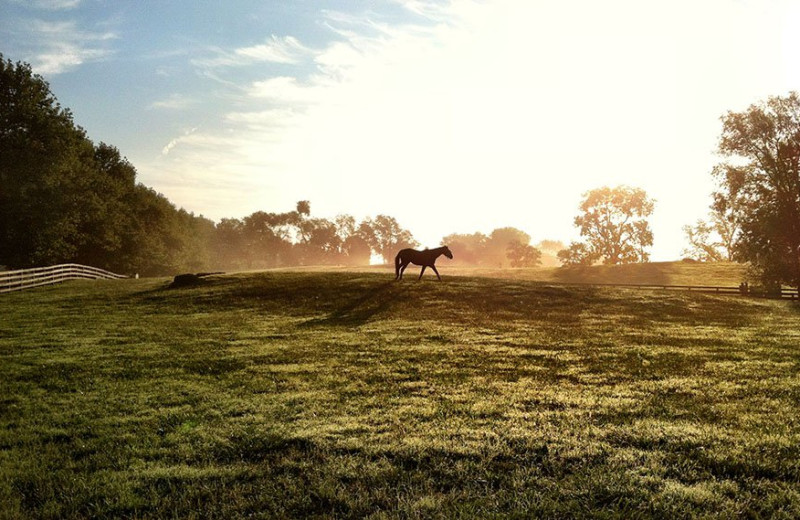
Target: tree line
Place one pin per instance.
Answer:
(65, 199)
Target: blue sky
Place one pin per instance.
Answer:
(454, 116)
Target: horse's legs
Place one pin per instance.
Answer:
(402, 269)
(422, 272)
(437, 272)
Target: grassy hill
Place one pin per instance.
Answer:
(654, 273)
(723, 274)
(340, 394)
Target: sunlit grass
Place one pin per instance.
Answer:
(293, 394)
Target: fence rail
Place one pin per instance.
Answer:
(39, 276)
(786, 294)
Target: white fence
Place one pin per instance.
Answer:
(28, 278)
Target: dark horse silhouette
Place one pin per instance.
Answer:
(424, 258)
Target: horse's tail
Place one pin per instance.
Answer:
(398, 261)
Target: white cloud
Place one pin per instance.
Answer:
(50, 5)
(173, 143)
(174, 102)
(276, 49)
(288, 91)
(61, 46)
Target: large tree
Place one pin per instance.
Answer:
(43, 158)
(63, 199)
(613, 222)
(760, 182)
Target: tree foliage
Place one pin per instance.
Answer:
(613, 222)
(523, 255)
(385, 236)
(64, 199)
(760, 185)
(712, 240)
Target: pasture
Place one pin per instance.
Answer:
(344, 394)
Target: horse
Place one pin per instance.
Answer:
(424, 258)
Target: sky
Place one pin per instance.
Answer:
(457, 116)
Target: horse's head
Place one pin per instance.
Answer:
(448, 253)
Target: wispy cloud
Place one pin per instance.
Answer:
(175, 102)
(276, 49)
(288, 91)
(50, 5)
(173, 143)
(57, 47)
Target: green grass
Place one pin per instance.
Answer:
(336, 394)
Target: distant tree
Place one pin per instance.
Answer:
(345, 226)
(268, 238)
(577, 253)
(355, 250)
(229, 245)
(614, 224)
(385, 236)
(495, 251)
(466, 248)
(550, 249)
(304, 207)
(760, 185)
(523, 255)
(319, 241)
(550, 246)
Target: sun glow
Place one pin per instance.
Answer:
(501, 113)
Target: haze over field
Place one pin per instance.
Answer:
(451, 117)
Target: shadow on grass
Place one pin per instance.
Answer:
(649, 274)
(358, 311)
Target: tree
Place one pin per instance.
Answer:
(43, 158)
(304, 207)
(229, 245)
(268, 238)
(495, 252)
(614, 224)
(319, 241)
(712, 240)
(523, 255)
(385, 236)
(577, 253)
(354, 248)
(466, 249)
(760, 184)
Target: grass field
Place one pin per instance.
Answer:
(343, 394)
(724, 274)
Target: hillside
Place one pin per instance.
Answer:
(725, 274)
(653, 273)
(336, 394)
